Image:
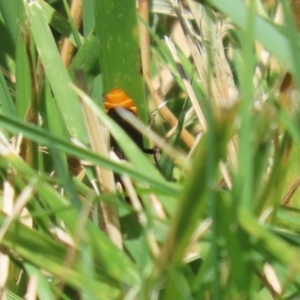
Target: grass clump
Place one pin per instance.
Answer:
(216, 217)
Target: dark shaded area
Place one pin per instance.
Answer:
(8, 51)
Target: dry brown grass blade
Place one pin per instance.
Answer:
(67, 48)
(164, 80)
(270, 280)
(187, 84)
(7, 207)
(8, 75)
(287, 91)
(273, 282)
(167, 114)
(143, 11)
(296, 12)
(289, 101)
(221, 89)
(290, 193)
(288, 87)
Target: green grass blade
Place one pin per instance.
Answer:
(120, 60)
(88, 17)
(9, 11)
(72, 24)
(193, 200)
(58, 22)
(23, 80)
(55, 71)
(86, 59)
(244, 176)
(43, 137)
(269, 242)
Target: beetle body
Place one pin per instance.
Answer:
(118, 99)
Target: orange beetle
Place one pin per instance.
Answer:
(113, 101)
(118, 98)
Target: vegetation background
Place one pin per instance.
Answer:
(217, 218)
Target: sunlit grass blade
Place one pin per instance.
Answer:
(55, 71)
(44, 137)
